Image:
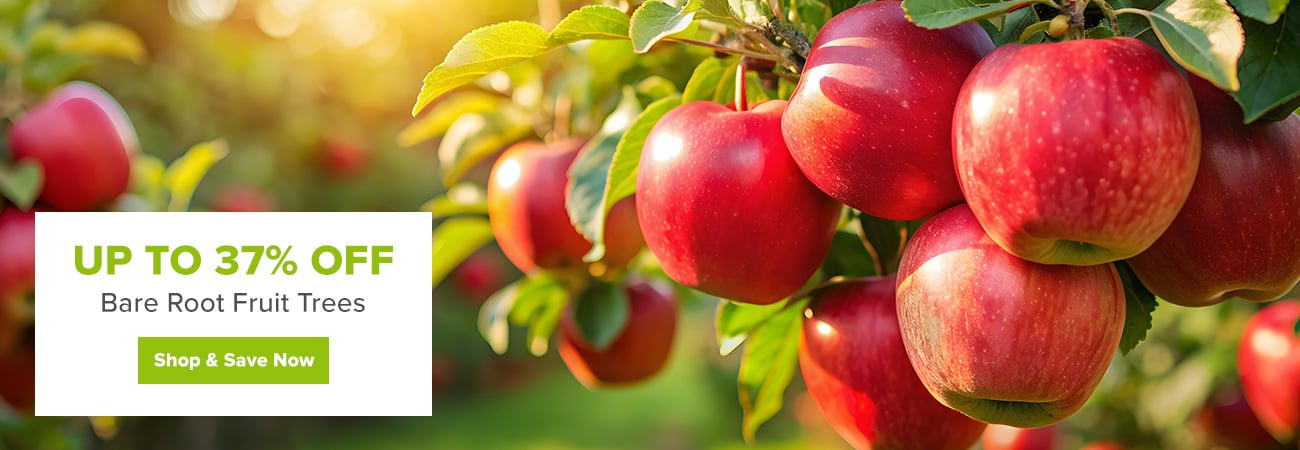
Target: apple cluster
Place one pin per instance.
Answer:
(1036, 168)
(528, 213)
(83, 142)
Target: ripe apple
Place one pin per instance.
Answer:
(725, 209)
(480, 275)
(852, 357)
(17, 271)
(640, 349)
(1001, 339)
(18, 379)
(871, 120)
(1228, 422)
(1268, 361)
(1237, 235)
(1003, 437)
(526, 204)
(241, 198)
(1078, 152)
(1103, 445)
(344, 159)
(83, 141)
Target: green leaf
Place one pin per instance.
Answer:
(105, 39)
(1203, 36)
(22, 183)
(495, 47)
(454, 240)
(655, 20)
(839, 6)
(767, 366)
(473, 137)
(539, 305)
(439, 120)
(656, 87)
(1011, 26)
(146, 180)
(1269, 65)
(493, 317)
(590, 22)
(184, 174)
(884, 239)
(1267, 11)
(946, 13)
(716, 10)
(736, 320)
(848, 257)
(589, 175)
(461, 199)
(1100, 32)
(623, 169)
(1140, 304)
(480, 52)
(601, 314)
(754, 12)
(706, 78)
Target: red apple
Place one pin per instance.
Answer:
(871, 120)
(853, 361)
(17, 271)
(639, 351)
(526, 204)
(1268, 361)
(1228, 422)
(1002, 339)
(480, 275)
(1002, 437)
(1104, 445)
(1237, 235)
(1078, 152)
(241, 198)
(18, 379)
(725, 208)
(344, 159)
(82, 140)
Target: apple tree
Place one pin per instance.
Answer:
(938, 211)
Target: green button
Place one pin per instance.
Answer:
(233, 360)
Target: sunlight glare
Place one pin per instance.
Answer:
(667, 146)
(509, 174)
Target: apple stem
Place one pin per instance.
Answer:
(1076, 19)
(742, 102)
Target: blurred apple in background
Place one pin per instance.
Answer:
(640, 349)
(1104, 445)
(344, 158)
(242, 198)
(83, 141)
(18, 379)
(481, 274)
(1005, 437)
(1227, 421)
(17, 272)
(1268, 361)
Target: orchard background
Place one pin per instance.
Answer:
(306, 105)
